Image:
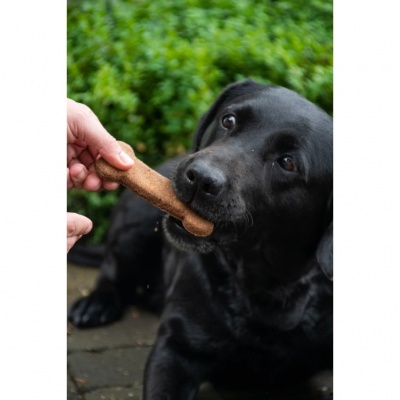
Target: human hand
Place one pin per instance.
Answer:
(87, 140)
(77, 225)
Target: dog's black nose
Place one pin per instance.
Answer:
(202, 179)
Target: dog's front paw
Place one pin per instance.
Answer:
(98, 309)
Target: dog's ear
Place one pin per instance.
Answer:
(230, 92)
(325, 252)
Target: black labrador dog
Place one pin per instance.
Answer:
(254, 298)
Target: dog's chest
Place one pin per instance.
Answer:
(244, 305)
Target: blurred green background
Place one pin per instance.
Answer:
(150, 69)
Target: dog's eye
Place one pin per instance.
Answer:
(286, 162)
(229, 121)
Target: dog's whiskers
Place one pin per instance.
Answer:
(248, 219)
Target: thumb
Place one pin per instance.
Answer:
(78, 225)
(112, 152)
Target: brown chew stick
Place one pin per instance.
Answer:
(156, 189)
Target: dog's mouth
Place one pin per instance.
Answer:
(184, 240)
(179, 228)
(225, 232)
(177, 224)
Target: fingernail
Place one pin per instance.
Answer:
(125, 158)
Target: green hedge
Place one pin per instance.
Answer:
(150, 69)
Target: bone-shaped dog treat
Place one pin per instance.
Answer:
(156, 189)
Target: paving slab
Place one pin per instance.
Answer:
(137, 328)
(118, 367)
(80, 281)
(72, 392)
(117, 393)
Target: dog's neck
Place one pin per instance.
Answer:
(271, 264)
(265, 287)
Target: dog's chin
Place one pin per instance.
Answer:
(179, 237)
(225, 234)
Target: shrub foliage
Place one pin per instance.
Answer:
(150, 69)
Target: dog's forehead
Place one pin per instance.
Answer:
(264, 112)
(275, 104)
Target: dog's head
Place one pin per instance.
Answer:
(261, 170)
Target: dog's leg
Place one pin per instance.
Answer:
(102, 306)
(170, 374)
(183, 356)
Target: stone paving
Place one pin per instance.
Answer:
(107, 363)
